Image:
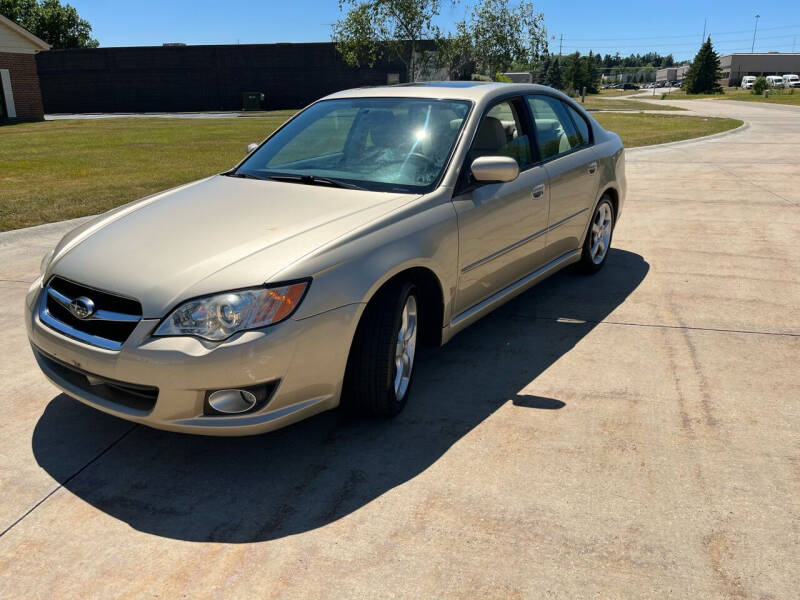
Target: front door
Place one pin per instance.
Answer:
(564, 143)
(501, 225)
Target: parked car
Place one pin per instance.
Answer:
(775, 80)
(373, 221)
(792, 81)
(630, 86)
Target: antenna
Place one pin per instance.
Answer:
(704, 31)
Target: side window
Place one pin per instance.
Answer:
(501, 133)
(555, 132)
(581, 124)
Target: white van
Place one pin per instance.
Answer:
(792, 81)
(775, 80)
(748, 81)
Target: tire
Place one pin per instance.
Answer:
(598, 237)
(371, 383)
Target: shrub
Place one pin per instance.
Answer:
(502, 78)
(759, 85)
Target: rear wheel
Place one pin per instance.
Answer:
(381, 362)
(598, 237)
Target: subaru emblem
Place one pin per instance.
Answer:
(82, 307)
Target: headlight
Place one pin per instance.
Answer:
(218, 317)
(46, 262)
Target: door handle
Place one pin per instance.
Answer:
(592, 168)
(538, 191)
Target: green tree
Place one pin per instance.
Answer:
(573, 75)
(506, 32)
(58, 24)
(372, 28)
(542, 67)
(759, 85)
(704, 73)
(456, 53)
(554, 76)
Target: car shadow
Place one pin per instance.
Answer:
(258, 488)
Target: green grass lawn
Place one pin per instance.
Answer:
(776, 96)
(639, 129)
(63, 169)
(617, 92)
(600, 103)
(58, 170)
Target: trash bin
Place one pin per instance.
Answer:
(252, 100)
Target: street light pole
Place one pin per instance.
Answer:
(754, 34)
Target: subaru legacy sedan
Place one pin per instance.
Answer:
(373, 221)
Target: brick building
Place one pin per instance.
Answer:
(20, 96)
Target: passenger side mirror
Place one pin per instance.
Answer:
(250, 147)
(494, 169)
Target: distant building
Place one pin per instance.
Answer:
(200, 78)
(672, 73)
(634, 75)
(20, 96)
(736, 66)
(520, 77)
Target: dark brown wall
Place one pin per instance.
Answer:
(196, 78)
(24, 85)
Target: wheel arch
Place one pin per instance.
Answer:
(431, 298)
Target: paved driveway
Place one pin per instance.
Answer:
(634, 434)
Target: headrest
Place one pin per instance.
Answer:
(490, 136)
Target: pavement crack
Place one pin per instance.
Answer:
(660, 326)
(68, 479)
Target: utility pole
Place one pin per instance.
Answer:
(560, 44)
(754, 34)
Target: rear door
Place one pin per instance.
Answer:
(501, 226)
(563, 138)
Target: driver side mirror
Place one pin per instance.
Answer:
(494, 169)
(250, 147)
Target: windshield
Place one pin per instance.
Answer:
(380, 144)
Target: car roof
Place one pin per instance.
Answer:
(453, 90)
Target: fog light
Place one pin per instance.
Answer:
(232, 402)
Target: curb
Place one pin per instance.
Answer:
(740, 129)
(55, 228)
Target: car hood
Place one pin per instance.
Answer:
(209, 236)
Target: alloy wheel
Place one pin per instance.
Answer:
(602, 225)
(405, 348)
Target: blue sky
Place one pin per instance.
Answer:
(607, 27)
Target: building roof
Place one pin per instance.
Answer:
(18, 39)
(761, 54)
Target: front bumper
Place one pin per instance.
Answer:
(301, 362)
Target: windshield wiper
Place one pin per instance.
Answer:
(242, 175)
(315, 180)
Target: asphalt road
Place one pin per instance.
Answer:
(632, 434)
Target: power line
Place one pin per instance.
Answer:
(688, 35)
(718, 43)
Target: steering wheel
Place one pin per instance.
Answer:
(419, 157)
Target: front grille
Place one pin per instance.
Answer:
(138, 397)
(112, 322)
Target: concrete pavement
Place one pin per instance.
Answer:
(632, 434)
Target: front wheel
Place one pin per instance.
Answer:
(598, 237)
(381, 362)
